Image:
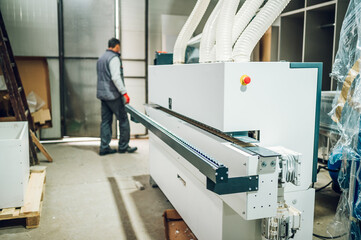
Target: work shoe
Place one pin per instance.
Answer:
(106, 151)
(128, 149)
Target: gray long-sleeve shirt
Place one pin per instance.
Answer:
(114, 67)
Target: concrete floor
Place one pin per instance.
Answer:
(325, 205)
(93, 197)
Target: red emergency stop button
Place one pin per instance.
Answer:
(245, 80)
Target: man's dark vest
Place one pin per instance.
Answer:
(106, 90)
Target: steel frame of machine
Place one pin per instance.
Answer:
(216, 173)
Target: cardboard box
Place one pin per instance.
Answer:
(175, 227)
(34, 74)
(41, 117)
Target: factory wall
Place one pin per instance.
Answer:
(32, 26)
(88, 25)
(132, 35)
(157, 8)
(132, 32)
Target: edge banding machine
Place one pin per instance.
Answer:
(233, 145)
(236, 163)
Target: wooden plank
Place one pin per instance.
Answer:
(16, 213)
(7, 212)
(7, 119)
(37, 169)
(40, 146)
(33, 222)
(266, 45)
(43, 193)
(33, 193)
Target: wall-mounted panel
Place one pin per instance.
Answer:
(136, 90)
(88, 25)
(82, 110)
(133, 45)
(171, 26)
(134, 68)
(157, 8)
(32, 26)
(133, 28)
(133, 15)
(55, 131)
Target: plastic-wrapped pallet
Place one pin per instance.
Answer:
(346, 113)
(14, 163)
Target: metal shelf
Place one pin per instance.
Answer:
(311, 32)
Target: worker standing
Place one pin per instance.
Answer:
(113, 95)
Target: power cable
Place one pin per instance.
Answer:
(326, 237)
(321, 188)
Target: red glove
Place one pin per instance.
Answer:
(126, 97)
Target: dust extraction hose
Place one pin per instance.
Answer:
(188, 30)
(224, 30)
(255, 30)
(244, 16)
(209, 35)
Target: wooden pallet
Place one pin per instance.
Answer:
(33, 200)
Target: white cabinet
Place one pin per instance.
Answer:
(14, 163)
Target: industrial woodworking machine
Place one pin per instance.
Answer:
(233, 146)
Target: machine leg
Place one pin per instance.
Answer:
(152, 183)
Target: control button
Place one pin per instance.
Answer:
(245, 80)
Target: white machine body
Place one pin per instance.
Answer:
(280, 103)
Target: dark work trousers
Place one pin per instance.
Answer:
(109, 108)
